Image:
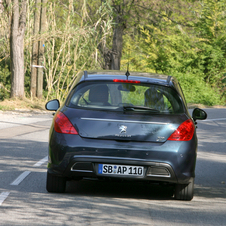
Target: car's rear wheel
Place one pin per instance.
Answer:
(55, 183)
(184, 191)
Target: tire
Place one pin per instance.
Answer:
(55, 184)
(184, 191)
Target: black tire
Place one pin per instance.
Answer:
(184, 191)
(55, 183)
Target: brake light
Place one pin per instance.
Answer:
(125, 81)
(184, 132)
(63, 125)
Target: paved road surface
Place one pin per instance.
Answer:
(24, 200)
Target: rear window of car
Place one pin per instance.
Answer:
(120, 96)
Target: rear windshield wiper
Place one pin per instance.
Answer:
(143, 108)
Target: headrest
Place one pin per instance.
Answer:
(98, 93)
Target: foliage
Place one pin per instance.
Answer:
(183, 38)
(195, 54)
(70, 44)
(4, 58)
(4, 82)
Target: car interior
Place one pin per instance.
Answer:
(114, 96)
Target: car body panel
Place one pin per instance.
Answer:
(181, 156)
(106, 125)
(119, 136)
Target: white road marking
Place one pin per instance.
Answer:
(42, 161)
(3, 197)
(20, 178)
(216, 119)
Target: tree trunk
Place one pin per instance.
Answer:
(17, 48)
(117, 46)
(41, 50)
(112, 57)
(34, 62)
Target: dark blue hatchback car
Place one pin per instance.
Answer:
(121, 125)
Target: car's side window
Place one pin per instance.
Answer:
(84, 99)
(168, 105)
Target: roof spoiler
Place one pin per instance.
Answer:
(168, 79)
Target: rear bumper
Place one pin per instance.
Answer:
(75, 157)
(87, 166)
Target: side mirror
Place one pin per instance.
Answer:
(52, 105)
(199, 114)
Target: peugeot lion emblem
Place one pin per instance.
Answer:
(123, 129)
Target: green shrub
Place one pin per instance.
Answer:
(197, 91)
(4, 82)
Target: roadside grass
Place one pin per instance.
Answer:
(22, 105)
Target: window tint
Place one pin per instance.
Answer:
(115, 95)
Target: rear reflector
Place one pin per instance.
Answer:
(63, 125)
(184, 132)
(125, 81)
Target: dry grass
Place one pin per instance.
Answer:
(22, 105)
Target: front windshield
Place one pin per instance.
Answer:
(119, 96)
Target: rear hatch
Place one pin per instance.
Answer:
(124, 127)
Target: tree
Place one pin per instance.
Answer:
(127, 15)
(124, 14)
(18, 26)
(121, 14)
(41, 50)
(35, 46)
(36, 88)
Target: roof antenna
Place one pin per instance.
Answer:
(85, 74)
(127, 72)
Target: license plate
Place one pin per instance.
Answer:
(108, 169)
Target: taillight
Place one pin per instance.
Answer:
(63, 125)
(184, 132)
(125, 81)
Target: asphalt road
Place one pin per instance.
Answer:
(24, 200)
